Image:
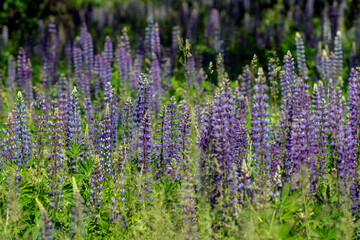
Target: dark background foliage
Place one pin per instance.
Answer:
(246, 27)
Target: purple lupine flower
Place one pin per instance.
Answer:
(245, 80)
(275, 169)
(144, 151)
(354, 196)
(120, 55)
(110, 98)
(11, 73)
(155, 73)
(56, 159)
(83, 34)
(63, 104)
(288, 78)
(200, 76)
(106, 71)
(197, 112)
(300, 56)
(336, 132)
(53, 39)
(188, 203)
(28, 85)
(42, 40)
(162, 145)
(77, 59)
(21, 68)
(240, 129)
(223, 137)
(118, 199)
(338, 51)
(302, 148)
(324, 66)
(330, 89)
(123, 57)
(23, 139)
(260, 131)
(190, 69)
(184, 132)
(213, 23)
(135, 72)
(218, 44)
(127, 123)
(320, 121)
(204, 141)
(85, 86)
(172, 115)
(10, 146)
(283, 141)
(155, 42)
(98, 73)
(89, 112)
(321, 89)
(354, 104)
(96, 186)
(41, 122)
(220, 67)
(306, 135)
(89, 56)
(10, 80)
(325, 69)
(46, 225)
(74, 129)
(98, 116)
(143, 100)
(166, 74)
(318, 59)
(349, 151)
(106, 145)
(88, 143)
(148, 36)
(272, 69)
(332, 72)
(125, 39)
(108, 50)
(222, 113)
(350, 154)
(145, 144)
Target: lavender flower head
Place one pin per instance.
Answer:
(22, 131)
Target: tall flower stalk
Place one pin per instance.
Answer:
(260, 134)
(56, 159)
(23, 133)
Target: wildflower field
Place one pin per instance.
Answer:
(137, 119)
